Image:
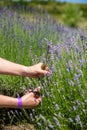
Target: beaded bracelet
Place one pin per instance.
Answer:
(19, 102)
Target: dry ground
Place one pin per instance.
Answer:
(19, 127)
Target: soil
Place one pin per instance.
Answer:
(19, 127)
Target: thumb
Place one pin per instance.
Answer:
(38, 100)
(44, 72)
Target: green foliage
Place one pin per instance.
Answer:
(83, 7)
(72, 15)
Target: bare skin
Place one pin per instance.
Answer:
(29, 100)
(35, 71)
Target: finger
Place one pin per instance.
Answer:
(37, 89)
(44, 67)
(47, 69)
(28, 91)
(38, 100)
(37, 92)
(44, 72)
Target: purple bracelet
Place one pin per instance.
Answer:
(19, 102)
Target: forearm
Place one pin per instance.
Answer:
(7, 67)
(8, 102)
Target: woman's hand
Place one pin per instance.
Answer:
(36, 71)
(30, 99)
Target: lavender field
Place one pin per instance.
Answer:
(38, 38)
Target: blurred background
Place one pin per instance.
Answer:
(71, 13)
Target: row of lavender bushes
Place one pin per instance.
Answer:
(29, 39)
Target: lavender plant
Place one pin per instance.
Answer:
(40, 39)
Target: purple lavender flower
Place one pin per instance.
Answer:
(70, 119)
(75, 108)
(69, 66)
(77, 118)
(81, 62)
(56, 121)
(39, 124)
(42, 118)
(49, 46)
(31, 115)
(57, 106)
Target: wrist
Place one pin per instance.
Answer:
(20, 103)
(25, 71)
